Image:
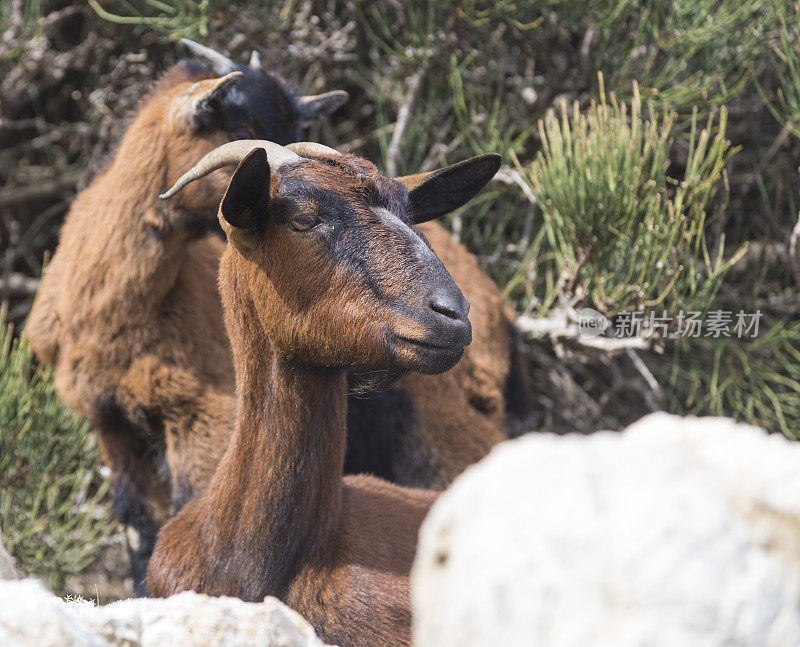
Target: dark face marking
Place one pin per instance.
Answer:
(260, 105)
(352, 223)
(353, 273)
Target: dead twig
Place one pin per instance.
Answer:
(652, 382)
(559, 327)
(779, 140)
(403, 119)
(794, 250)
(358, 142)
(16, 284)
(39, 192)
(508, 175)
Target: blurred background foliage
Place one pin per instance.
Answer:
(651, 151)
(53, 511)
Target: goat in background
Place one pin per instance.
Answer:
(128, 312)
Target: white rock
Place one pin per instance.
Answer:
(675, 532)
(7, 568)
(30, 616)
(192, 620)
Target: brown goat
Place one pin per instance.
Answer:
(323, 272)
(128, 313)
(129, 316)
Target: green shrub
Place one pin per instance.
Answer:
(53, 509)
(177, 18)
(624, 233)
(755, 380)
(689, 53)
(784, 59)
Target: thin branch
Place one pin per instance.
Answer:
(794, 250)
(642, 369)
(16, 284)
(39, 192)
(559, 327)
(508, 175)
(766, 158)
(358, 142)
(403, 118)
(439, 149)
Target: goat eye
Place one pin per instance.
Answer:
(303, 222)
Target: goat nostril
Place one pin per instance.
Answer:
(448, 308)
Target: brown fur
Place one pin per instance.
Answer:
(278, 518)
(128, 315)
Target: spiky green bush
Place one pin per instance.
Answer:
(756, 380)
(624, 233)
(689, 53)
(177, 18)
(53, 508)
(784, 58)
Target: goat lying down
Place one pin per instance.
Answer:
(129, 315)
(324, 272)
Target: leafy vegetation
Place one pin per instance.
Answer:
(624, 234)
(53, 508)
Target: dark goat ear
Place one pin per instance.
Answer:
(315, 106)
(198, 103)
(245, 207)
(433, 194)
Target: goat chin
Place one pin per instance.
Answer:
(365, 384)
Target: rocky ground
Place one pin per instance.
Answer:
(677, 531)
(30, 616)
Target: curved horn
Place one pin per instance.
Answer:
(233, 153)
(314, 106)
(220, 63)
(311, 148)
(255, 61)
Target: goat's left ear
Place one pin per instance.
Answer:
(198, 103)
(316, 106)
(433, 194)
(244, 209)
